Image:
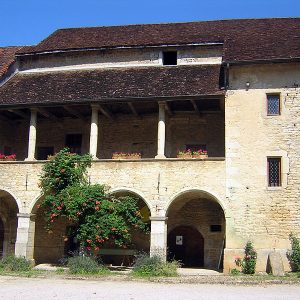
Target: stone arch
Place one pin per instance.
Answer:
(203, 211)
(17, 200)
(131, 191)
(203, 191)
(140, 240)
(9, 209)
(33, 205)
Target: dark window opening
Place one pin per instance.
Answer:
(7, 150)
(274, 171)
(215, 228)
(170, 58)
(196, 147)
(44, 152)
(273, 104)
(74, 142)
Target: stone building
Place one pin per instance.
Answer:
(228, 87)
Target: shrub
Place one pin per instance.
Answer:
(248, 263)
(235, 272)
(146, 266)
(294, 254)
(85, 265)
(15, 264)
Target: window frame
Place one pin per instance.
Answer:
(279, 158)
(279, 103)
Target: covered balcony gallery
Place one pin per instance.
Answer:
(155, 112)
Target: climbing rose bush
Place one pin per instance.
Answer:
(99, 218)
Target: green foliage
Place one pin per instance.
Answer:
(294, 254)
(85, 265)
(14, 264)
(235, 272)
(248, 263)
(99, 219)
(146, 266)
(63, 170)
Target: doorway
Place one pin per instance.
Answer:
(1, 237)
(186, 244)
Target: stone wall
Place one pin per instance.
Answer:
(121, 58)
(260, 213)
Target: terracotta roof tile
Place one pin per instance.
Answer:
(244, 40)
(7, 58)
(110, 84)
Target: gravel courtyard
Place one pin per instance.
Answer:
(40, 288)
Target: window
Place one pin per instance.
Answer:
(274, 171)
(215, 228)
(196, 147)
(170, 58)
(273, 102)
(73, 142)
(44, 152)
(7, 150)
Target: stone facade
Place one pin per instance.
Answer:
(225, 197)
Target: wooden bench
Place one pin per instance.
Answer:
(125, 253)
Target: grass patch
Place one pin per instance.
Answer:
(15, 264)
(146, 266)
(85, 265)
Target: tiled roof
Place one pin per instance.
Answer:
(110, 84)
(244, 40)
(7, 57)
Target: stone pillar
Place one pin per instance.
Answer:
(25, 236)
(32, 135)
(158, 240)
(161, 132)
(94, 131)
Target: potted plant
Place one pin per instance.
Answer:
(200, 154)
(126, 155)
(119, 155)
(135, 155)
(11, 157)
(2, 156)
(185, 154)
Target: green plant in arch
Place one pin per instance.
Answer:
(99, 218)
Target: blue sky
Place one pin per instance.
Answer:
(27, 22)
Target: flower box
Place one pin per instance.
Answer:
(122, 155)
(185, 156)
(200, 156)
(11, 157)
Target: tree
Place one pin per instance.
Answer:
(100, 219)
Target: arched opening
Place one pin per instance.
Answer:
(51, 247)
(140, 241)
(1, 237)
(196, 230)
(186, 244)
(8, 223)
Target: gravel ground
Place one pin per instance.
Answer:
(57, 288)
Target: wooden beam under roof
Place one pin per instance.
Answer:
(105, 112)
(195, 106)
(133, 109)
(168, 108)
(49, 115)
(19, 113)
(73, 112)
